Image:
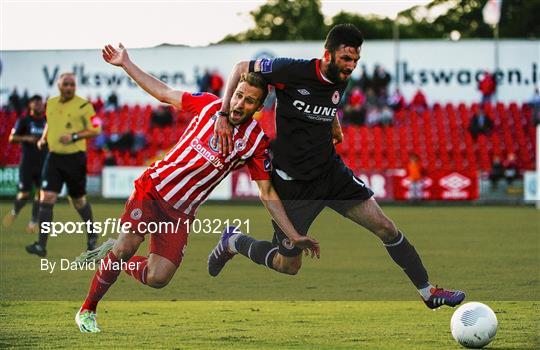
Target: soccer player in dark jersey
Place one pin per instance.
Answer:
(307, 173)
(172, 189)
(70, 121)
(27, 131)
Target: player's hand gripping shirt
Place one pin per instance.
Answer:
(67, 118)
(193, 167)
(307, 104)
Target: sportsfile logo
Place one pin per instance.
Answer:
(208, 155)
(454, 185)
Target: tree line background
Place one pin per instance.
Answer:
(303, 20)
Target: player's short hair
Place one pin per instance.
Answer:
(343, 34)
(35, 98)
(65, 74)
(256, 80)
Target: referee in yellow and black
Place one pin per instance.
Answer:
(70, 121)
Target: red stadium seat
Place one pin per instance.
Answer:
(439, 135)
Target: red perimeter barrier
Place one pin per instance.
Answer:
(451, 185)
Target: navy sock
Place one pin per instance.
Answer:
(404, 254)
(45, 214)
(85, 212)
(260, 252)
(19, 204)
(35, 210)
(86, 215)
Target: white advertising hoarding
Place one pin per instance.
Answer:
(117, 182)
(446, 71)
(530, 187)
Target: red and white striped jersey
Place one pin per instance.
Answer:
(193, 167)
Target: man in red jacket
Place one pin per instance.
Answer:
(487, 87)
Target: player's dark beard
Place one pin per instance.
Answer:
(332, 72)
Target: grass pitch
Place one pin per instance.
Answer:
(353, 297)
(257, 325)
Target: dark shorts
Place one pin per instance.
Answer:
(337, 189)
(65, 168)
(29, 176)
(145, 208)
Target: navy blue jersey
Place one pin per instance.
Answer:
(307, 104)
(29, 126)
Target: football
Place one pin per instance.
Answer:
(474, 325)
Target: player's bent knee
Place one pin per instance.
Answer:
(157, 280)
(23, 195)
(48, 197)
(291, 269)
(387, 231)
(289, 266)
(78, 203)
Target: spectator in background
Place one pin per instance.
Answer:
(397, 101)
(487, 87)
(534, 103)
(364, 82)
(387, 116)
(380, 80)
(98, 104)
(374, 115)
(112, 102)
(161, 117)
(496, 173)
(203, 81)
(108, 159)
(25, 99)
(216, 83)
(14, 101)
(511, 169)
(480, 124)
(419, 102)
(120, 141)
(354, 111)
(139, 142)
(414, 175)
(371, 99)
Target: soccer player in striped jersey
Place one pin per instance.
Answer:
(172, 189)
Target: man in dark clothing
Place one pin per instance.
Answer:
(306, 171)
(480, 124)
(27, 132)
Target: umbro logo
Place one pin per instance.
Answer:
(303, 92)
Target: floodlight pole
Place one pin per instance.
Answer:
(537, 194)
(496, 51)
(395, 31)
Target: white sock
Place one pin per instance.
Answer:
(232, 242)
(425, 292)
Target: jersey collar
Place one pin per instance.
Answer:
(320, 75)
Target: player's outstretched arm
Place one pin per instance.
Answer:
(271, 201)
(223, 130)
(119, 57)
